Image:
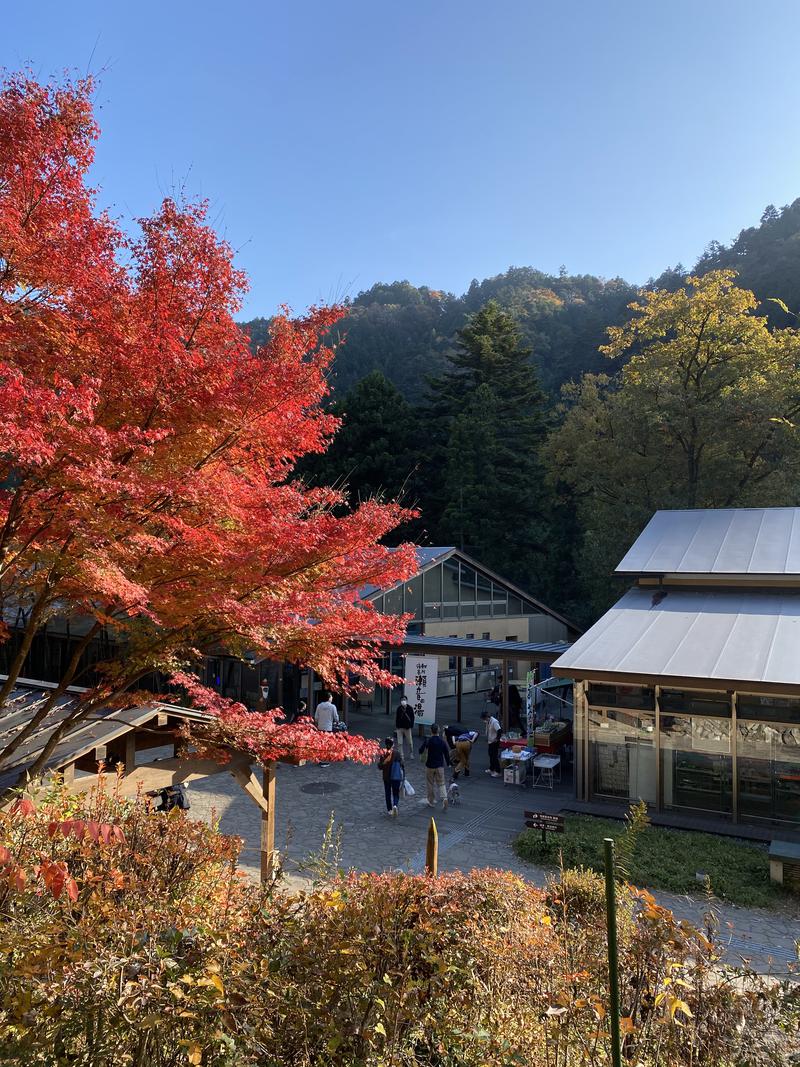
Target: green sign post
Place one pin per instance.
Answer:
(613, 965)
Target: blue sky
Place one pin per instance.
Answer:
(437, 140)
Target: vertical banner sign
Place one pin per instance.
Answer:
(529, 703)
(422, 675)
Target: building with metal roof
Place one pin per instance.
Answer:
(723, 544)
(687, 691)
(451, 591)
(474, 620)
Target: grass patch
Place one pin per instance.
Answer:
(663, 859)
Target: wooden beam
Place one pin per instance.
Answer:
(129, 758)
(247, 779)
(158, 775)
(268, 823)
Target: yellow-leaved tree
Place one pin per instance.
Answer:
(701, 415)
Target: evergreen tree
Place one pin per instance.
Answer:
(374, 453)
(488, 413)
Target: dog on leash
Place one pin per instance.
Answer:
(453, 793)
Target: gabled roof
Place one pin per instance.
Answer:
(428, 557)
(717, 542)
(734, 637)
(84, 736)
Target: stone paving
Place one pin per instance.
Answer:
(477, 832)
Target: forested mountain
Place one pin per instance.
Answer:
(406, 332)
(441, 407)
(766, 258)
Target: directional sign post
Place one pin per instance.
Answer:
(545, 821)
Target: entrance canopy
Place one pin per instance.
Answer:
(543, 652)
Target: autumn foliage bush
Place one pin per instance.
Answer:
(129, 938)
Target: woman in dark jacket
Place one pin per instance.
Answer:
(393, 769)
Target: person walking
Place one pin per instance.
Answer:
(462, 747)
(325, 716)
(403, 727)
(391, 765)
(437, 757)
(493, 732)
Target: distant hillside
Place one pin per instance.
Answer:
(766, 257)
(405, 331)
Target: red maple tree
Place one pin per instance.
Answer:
(147, 453)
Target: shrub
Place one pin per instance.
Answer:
(661, 859)
(129, 939)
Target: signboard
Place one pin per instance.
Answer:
(544, 820)
(422, 676)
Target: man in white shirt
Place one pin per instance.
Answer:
(326, 714)
(493, 731)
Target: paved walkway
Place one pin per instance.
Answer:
(475, 833)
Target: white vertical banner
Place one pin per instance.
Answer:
(422, 677)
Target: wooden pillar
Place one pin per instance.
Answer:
(432, 850)
(657, 743)
(280, 684)
(504, 695)
(69, 773)
(268, 823)
(129, 758)
(459, 687)
(734, 761)
(312, 678)
(580, 740)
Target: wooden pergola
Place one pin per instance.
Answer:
(116, 738)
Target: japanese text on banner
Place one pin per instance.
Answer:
(422, 674)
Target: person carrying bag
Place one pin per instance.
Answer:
(391, 765)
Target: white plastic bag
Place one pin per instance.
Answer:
(408, 788)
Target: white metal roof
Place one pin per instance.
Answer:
(729, 635)
(724, 541)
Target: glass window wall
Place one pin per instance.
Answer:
(432, 585)
(695, 702)
(484, 597)
(697, 739)
(622, 696)
(768, 766)
(453, 590)
(467, 586)
(413, 597)
(450, 577)
(622, 754)
(696, 762)
(393, 601)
